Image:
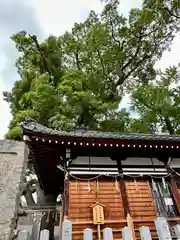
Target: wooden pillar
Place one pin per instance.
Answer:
(66, 196)
(123, 189)
(65, 202)
(130, 224)
(125, 201)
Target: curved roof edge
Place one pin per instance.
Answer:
(32, 127)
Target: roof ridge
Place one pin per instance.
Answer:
(31, 126)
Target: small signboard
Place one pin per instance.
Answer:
(98, 213)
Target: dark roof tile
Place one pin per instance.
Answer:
(33, 127)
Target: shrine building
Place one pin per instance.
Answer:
(130, 175)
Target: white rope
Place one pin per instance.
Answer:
(175, 171)
(114, 176)
(85, 179)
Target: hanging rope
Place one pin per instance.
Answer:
(97, 186)
(117, 185)
(89, 187)
(169, 174)
(136, 185)
(85, 179)
(76, 184)
(118, 175)
(174, 171)
(164, 183)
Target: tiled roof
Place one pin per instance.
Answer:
(33, 127)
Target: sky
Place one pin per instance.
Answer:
(43, 18)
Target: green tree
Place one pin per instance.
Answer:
(169, 9)
(80, 78)
(158, 104)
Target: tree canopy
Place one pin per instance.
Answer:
(158, 103)
(80, 77)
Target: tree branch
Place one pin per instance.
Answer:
(171, 13)
(121, 74)
(77, 59)
(101, 62)
(113, 36)
(147, 34)
(46, 67)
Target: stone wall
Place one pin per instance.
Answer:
(12, 166)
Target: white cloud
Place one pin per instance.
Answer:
(14, 16)
(57, 16)
(172, 57)
(5, 113)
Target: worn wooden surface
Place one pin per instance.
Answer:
(140, 199)
(139, 196)
(80, 200)
(141, 204)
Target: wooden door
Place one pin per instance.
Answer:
(141, 203)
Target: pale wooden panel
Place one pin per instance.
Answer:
(141, 203)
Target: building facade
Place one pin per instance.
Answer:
(133, 176)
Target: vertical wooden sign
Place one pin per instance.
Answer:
(98, 216)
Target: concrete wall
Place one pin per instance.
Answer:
(12, 166)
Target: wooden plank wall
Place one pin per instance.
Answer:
(81, 199)
(141, 205)
(140, 199)
(82, 194)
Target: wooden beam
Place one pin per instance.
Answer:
(66, 196)
(130, 224)
(123, 189)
